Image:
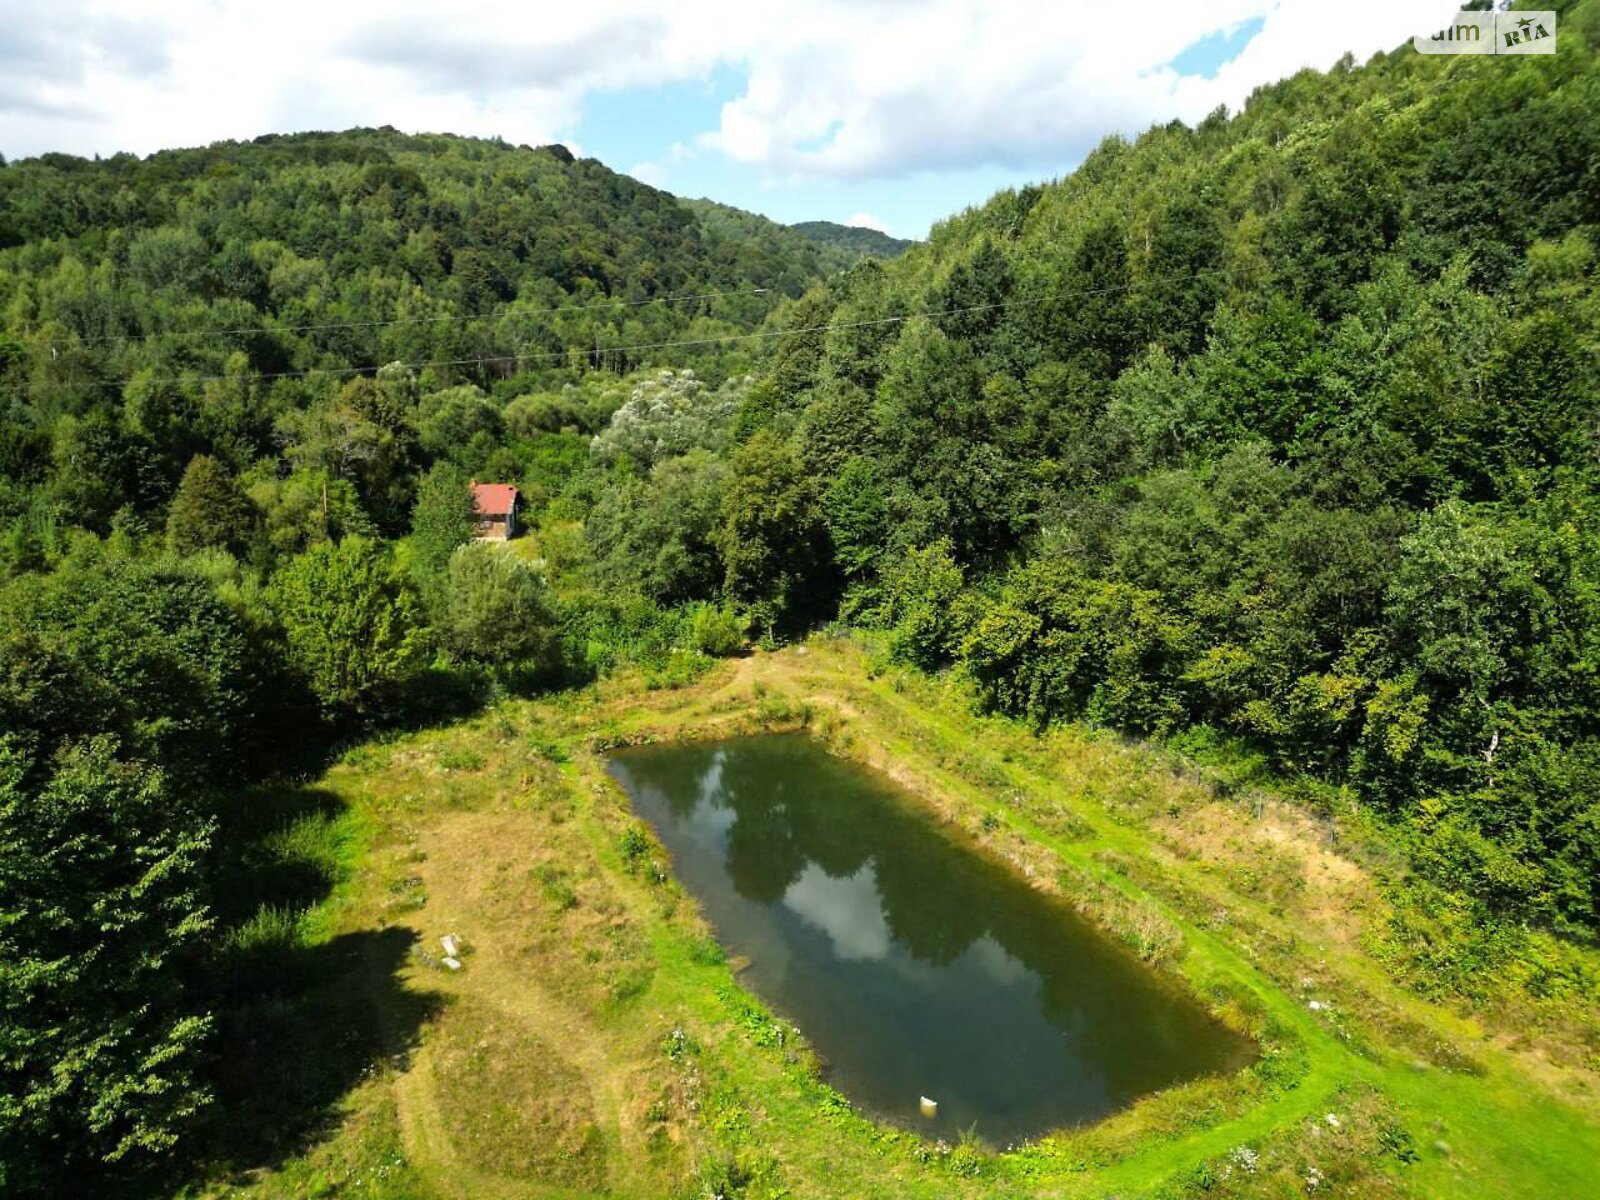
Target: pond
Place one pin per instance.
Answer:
(916, 965)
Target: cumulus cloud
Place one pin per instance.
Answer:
(49, 54)
(648, 172)
(848, 910)
(483, 62)
(830, 89)
(865, 220)
(859, 92)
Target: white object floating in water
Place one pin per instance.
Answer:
(930, 1108)
(452, 962)
(448, 941)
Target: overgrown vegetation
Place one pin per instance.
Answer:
(1273, 440)
(863, 241)
(596, 1018)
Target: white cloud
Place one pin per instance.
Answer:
(648, 172)
(834, 88)
(884, 89)
(848, 910)
(998, 963)
(865, 220)
(658, 172)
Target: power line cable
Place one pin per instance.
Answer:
(503, 315)
(555, 355)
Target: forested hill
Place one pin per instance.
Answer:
(858, 240)
(1277, 437)
(249, 381)
(756, 234)
(1273, 440)
(404, 241)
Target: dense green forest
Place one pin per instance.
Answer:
(861, 240)
(229, 541)
(1274, 438)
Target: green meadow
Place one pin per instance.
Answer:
(596, 1042)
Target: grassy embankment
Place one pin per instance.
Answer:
(595, 1041)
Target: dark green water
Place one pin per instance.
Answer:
(914, 964)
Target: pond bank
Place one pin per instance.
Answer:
(596, 1030)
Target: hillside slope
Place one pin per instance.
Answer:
(1276, 434)
(757, 235)
(858, 240)
(350, 232)
(1270, 443)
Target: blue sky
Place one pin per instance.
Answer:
(1211, 53)
(894, 113)
(638, 130)
(650, 132)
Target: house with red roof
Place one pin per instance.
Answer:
(496, 507)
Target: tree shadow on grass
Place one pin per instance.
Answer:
(289, 1054)
(278, 848)
(434, 697)
(301, 1020)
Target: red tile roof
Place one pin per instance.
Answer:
(493, 499)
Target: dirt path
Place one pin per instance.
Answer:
(545, 1075)
(480, 887)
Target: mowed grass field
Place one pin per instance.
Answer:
(595, 1042)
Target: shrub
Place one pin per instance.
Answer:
(716, 631)
(497, 608)
(353, 626)
(634, 844)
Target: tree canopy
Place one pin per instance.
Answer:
(1271, 438)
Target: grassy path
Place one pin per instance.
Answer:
(1517, 1141)
(549, 1070)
